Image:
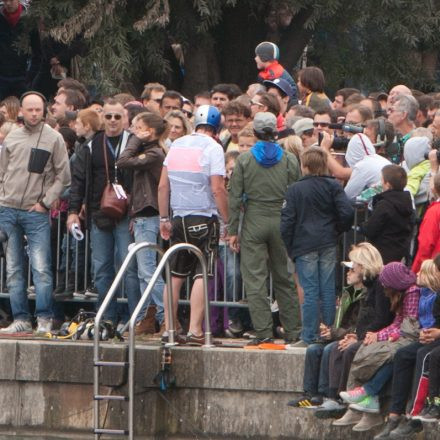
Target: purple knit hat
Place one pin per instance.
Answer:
(397, 276)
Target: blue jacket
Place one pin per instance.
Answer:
(316, 210)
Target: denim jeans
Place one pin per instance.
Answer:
(316, 273)
(316, 369)
(36, 227)
(375, 385)
(109, 248)
(147, 229)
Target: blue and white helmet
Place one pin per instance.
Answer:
(207, 115)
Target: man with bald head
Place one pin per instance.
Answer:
(400, 89)
(34, 171)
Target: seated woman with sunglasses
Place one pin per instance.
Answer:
(178, 124)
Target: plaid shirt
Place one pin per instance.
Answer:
(410, 309)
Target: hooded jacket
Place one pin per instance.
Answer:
(418, 168)
(21, 189)
(390, 226)
(315, 212)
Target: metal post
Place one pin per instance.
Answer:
(57, 276)
(67, 259)
(86, 259)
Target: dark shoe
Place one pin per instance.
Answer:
(191, 339)
(258, 341)
(431, 415)
(306, 401)
(391, 424)
(406, 430)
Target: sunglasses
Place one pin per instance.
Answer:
(158, 100)
(321, 124)
(115, 116)
(187, 113)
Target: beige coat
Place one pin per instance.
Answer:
(21, 189)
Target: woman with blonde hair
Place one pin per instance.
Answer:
(292, 144)
(178, 124)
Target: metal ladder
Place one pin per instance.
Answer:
(97, 362)
(163, 264)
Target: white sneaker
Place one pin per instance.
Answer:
(44, 325)
(18, 326)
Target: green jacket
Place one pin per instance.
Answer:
(261, 189)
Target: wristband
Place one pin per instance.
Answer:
(164, 219)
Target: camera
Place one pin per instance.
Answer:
(339, 142)
(435, 146)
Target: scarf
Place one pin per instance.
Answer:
(13, 18)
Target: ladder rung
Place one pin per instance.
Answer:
(110, 397)
(111, 431)
(110, 364)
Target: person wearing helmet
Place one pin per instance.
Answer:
(192, 187)
(263, 173)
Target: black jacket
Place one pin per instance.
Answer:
(374, 312)
(315, 212)
(89, 177)
(391, 224)
(14, 60)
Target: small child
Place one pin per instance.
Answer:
(429, 232)
(266, 58)
(246, 139)
(390, 226)
(230, 158)
(316, 210)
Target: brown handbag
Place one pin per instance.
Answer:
(111, 205)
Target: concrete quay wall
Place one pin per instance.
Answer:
(228, 393)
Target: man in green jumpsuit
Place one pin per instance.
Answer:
(259, 183)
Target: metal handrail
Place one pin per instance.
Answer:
(132, 334)
(107, 300)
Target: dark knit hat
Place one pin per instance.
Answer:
(397, 276)
(267, 51)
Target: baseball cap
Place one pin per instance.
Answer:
(263, 121)
(303, 125)
(281, 84)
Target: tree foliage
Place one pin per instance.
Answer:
(372, 44)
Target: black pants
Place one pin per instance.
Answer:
(340, 364)
(408, 366)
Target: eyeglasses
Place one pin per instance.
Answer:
(115, 116)
(158, 100)
(257, 103)
(322, 124)
(187, 113)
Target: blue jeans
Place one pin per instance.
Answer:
(316, 273)
(375, 385)
(147, 229)
(36, 227)
(109, 248)
(316, 369)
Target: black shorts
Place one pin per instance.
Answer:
(200, 231)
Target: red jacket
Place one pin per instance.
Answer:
(429, 236)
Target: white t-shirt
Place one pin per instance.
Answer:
(191, 162)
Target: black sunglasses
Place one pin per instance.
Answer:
(115, 116)
(187, 113)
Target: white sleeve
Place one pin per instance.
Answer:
(217, 161)
(355, 185)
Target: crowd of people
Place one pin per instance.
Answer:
(276, 173)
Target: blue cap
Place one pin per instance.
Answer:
(207, 115)
(281, 84)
